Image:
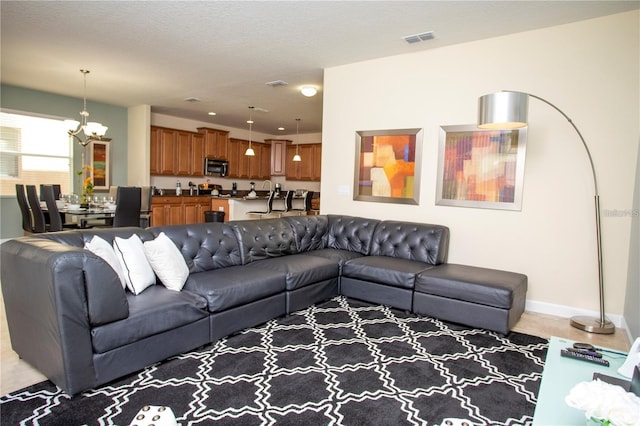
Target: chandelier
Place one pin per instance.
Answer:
(93, 131)
(297, 156)
(249, 152)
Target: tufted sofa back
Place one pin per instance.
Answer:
(413, 241)
(204, 246)
(310, 232)
(262, 239)
(351, 233)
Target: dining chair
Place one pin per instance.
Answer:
(145, 206)
(55, 217)
(39, 224)
(261, 214)
(27, 220)
(307, 204)
(288, 202)
(127, 207)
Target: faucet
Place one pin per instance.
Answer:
(264, 183)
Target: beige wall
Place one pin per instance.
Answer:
(588, 69)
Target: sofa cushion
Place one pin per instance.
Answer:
(336, 255)
(300, 270)
(413, 241)
(384, 270)
(105, 251)
(472, 284)
(351, 233)
(155, 310)
(204, 246)
(237, 285)
(138, 273)
(167, 262)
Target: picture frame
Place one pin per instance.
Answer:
(387, 166)
(98, 155)
(481, 168)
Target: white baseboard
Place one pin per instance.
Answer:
(564, 311)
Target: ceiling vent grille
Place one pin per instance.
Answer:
(276, 83)
(415, 38)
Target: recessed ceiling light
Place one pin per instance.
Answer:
(211, 113)
(281, 128)
(308, 91)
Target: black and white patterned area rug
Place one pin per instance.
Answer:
(341, 362)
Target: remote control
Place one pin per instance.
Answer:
(586, 352)
(584, 357)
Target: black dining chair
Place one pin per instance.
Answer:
(307, 204)
(27, 220)
(48, 192)
(127, 207)
(269, 210)
(39, 223)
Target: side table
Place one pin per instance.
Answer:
(560, 375)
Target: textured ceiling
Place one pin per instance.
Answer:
(161, 52)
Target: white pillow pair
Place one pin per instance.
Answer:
(137, 263)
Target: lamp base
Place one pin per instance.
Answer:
(593, 325)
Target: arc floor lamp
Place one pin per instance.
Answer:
(508, 110)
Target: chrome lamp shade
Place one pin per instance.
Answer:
(508, 110)
(503, 110)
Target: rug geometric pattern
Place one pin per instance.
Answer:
(341, 362)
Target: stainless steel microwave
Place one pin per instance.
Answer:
(215, 167)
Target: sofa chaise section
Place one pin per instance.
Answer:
(398, 252)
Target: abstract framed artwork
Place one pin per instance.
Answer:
(386, 168)
(98, 155)
(481, 168)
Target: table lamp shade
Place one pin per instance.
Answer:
(503, 110)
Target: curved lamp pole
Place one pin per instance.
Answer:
(508, 110)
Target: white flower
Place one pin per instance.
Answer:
(603, 401)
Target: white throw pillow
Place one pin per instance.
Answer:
(167, 262)
(104, 250)
(137, 271)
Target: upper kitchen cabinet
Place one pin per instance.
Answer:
(216, 143)
(176, 152)
(163, 151)
(309, 169)
(278, 155)
(244, 167)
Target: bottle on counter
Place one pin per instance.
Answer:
(178, 189)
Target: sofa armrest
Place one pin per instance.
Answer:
(48, 313)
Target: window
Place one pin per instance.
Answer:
(34, 150)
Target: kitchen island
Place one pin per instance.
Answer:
(186, 209)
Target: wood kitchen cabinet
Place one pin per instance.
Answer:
(166, 211)
(221, 205)
(309, 169)
(194, 208)
(178, 210)
(176, 152)
(278, 156)
(163, 151)
(245, 167)
(216, 143)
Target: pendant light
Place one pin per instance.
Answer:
(249, 152)
(92, 130)
(297, 156)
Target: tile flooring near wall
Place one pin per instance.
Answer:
(16, 374)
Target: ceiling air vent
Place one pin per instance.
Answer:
(276, 83)
(415, 38)
(192, 99)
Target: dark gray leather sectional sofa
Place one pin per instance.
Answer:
(70, 318)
